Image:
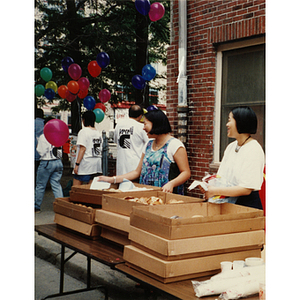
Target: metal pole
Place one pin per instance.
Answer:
(105, 149)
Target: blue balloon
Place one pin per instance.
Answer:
(89, 102)
(66, 62)
(148, 72)
(142, 6)
(103, 59)
(49, 93)
(138, 82)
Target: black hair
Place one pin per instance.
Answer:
(159, 120)
(89, 118)
(135, 111)
(48, 119)
(39, 113)
(245, 118)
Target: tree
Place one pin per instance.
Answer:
(82, 28)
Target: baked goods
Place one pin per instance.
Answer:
(145, 200)
(174, 201)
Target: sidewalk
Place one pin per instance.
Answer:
(47, 257)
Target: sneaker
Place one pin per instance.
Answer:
(37, 211)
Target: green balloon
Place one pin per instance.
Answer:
(99, 115)
(39, 90)
(46, 74)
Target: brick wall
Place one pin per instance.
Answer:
(209, 24)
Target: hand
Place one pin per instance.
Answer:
(168, 187)
(210, 193)
(76, 170)
(106, 179)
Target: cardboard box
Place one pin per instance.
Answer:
(116, 202)
(83, 213)
(196, 219)
(83, 193)
(117, 236)
(195, 247)
(170, 271)
(113, 220)
(90, 230)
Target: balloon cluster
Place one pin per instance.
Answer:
(155, 11)
(148, 73)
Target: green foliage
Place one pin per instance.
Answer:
(83, 28)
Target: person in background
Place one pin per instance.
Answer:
(243, 161)
(89, 151)
(164, 161)
(130, 139)
(50, 168)
(38, 130)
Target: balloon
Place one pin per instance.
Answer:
(70, 97)
(157, 11)
(82, 94)
(49, 94)
(142, 6)
(101, 106)
(73, 86)
(138, 82)
(94, 69)
(62, 90)
(75, 71)
(46, 74)
(151, 107)
(51, 85)
(99, 115)
(39, 90)
(56, 132)
(66, 62)
(89, 102)
(84, 83)
(103, 59)
(104, 95)
(148, 72)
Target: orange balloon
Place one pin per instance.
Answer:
(101, 106)
(94, 69)
(62, 90)
(73, 86)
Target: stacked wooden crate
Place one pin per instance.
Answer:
(177, 242)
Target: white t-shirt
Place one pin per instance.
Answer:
(245, 167)
(46, 150)
(92, 141)
(130, 138)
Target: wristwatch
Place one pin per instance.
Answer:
(77, 164)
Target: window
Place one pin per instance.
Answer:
(241, 81)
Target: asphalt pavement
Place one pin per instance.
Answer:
(47, 262)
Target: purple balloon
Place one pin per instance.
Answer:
(75, 71)
(142, 6)
(103, 60)
(138, 82)
(66, 62)
(84, 83)
(49, 94)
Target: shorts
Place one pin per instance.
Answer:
(85, 178)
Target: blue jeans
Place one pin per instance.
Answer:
(48, 170)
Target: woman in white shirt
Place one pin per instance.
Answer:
(243, 161)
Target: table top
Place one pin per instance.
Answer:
(100, 250)
(181, 289)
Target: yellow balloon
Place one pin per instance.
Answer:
(51, 85)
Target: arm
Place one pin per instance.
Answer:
(233, 191)
(79, 157)
(181, 160)
(130, 176)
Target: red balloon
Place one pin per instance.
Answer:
(104, 95)
(73, 86)
(82, 94)
(56, 132)
(62, 90)
(70, 97)
(157, 11)
(84, 83)
(74, 71)
(94, 69)
(101, 106)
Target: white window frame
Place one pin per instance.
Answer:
(218, 88)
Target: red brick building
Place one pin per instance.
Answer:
(216, 60)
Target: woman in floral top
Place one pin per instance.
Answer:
(164, 163)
